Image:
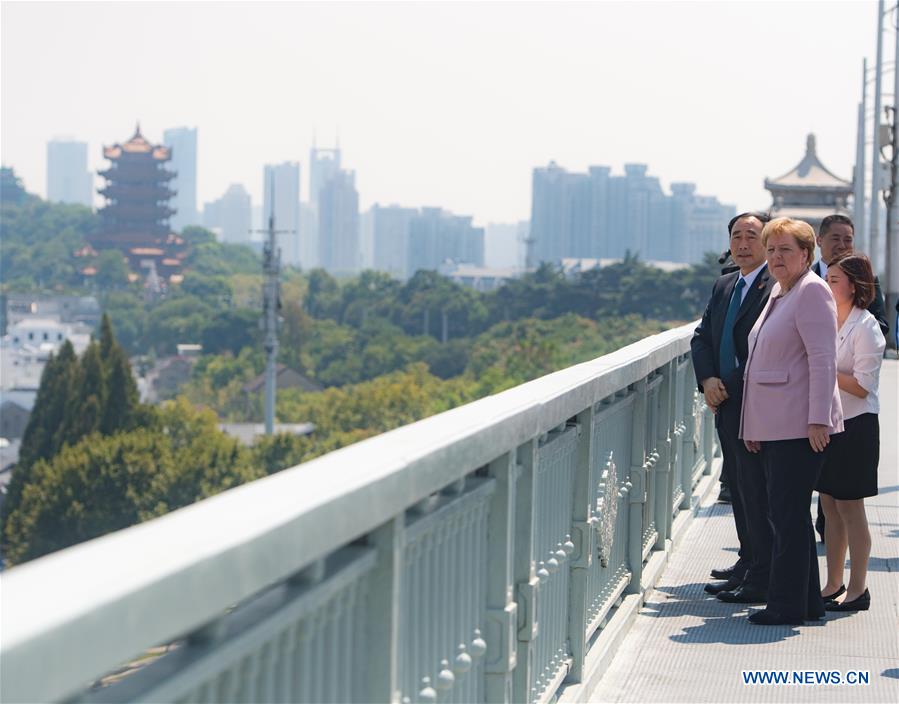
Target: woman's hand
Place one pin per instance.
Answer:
(818, 437)
(753, 445)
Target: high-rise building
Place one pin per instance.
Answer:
(230, 217)
(182, 142)
(437, 237)
(68, 180)
(598, 215)
(283, 181)
(504, 245)
(323, 165)
(338, 224)
(390, 234)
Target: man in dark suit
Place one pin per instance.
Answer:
(836, 237)
(720, 349)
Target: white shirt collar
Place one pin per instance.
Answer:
(750, 278)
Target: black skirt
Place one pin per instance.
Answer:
(850, 464)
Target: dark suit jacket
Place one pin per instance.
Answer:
(706, 341)
(877, 308)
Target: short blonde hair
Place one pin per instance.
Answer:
(801, 231)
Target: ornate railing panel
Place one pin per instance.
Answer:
(444, 580)
(610, 571)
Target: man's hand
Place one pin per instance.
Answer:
(714, 392)
(818, 437)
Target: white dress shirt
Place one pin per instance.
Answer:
(749, 279)
(820, 268)
(860, 353)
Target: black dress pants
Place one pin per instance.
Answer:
(727, 423)
(792, 469)
(754, 493)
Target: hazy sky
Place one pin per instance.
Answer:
(445, 104)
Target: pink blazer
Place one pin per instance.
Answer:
(790, 380)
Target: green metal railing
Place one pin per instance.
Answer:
(472, 556)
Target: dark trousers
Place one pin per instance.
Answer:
(792, 469)
(727, 423)
(749, 476)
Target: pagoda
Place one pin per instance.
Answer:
(809, 191)
(135, 218)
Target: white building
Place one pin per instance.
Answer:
(27, 346)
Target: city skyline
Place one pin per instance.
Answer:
(445, 105)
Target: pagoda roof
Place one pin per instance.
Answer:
(809, 173)
(146, 251)
(138, 144)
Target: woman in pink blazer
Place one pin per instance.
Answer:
(791, 407)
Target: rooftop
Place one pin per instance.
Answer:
(809, 173)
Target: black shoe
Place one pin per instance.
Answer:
(725, 573)
(744, 595)
(767, 617)
(838, 592)
(728, 586)
(724, 494)
(863, 603)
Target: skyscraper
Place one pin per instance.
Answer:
(323, 164)
(596, 215)
(230, 216)
(338, 224)
(182, 142)
(436, 237)
(284, 180)
(68, 180)
(390, 232)
(560, 214)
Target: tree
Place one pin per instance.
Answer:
(106, 483)
(122, 410)
(112, 271)
(85, 409)
(128, 313)
(323, 295)
(42, 438)
(231, 331)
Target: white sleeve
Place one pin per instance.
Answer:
(867, 352)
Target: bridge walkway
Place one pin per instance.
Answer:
(701, 645)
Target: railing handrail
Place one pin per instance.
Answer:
(188, 566)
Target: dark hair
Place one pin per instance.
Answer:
(835, 219)
(857, 268)
(764, 218)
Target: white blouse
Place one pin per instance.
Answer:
(860, 346)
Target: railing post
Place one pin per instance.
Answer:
(526, 580)
(688, 453)
(637, 495)
(582, 534)
(502, 610)
(385, 604)
(663, 469)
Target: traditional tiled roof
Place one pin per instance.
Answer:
(138, 144)
(146, 251)
(809, 173)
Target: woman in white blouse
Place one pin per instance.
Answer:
(850, 468)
